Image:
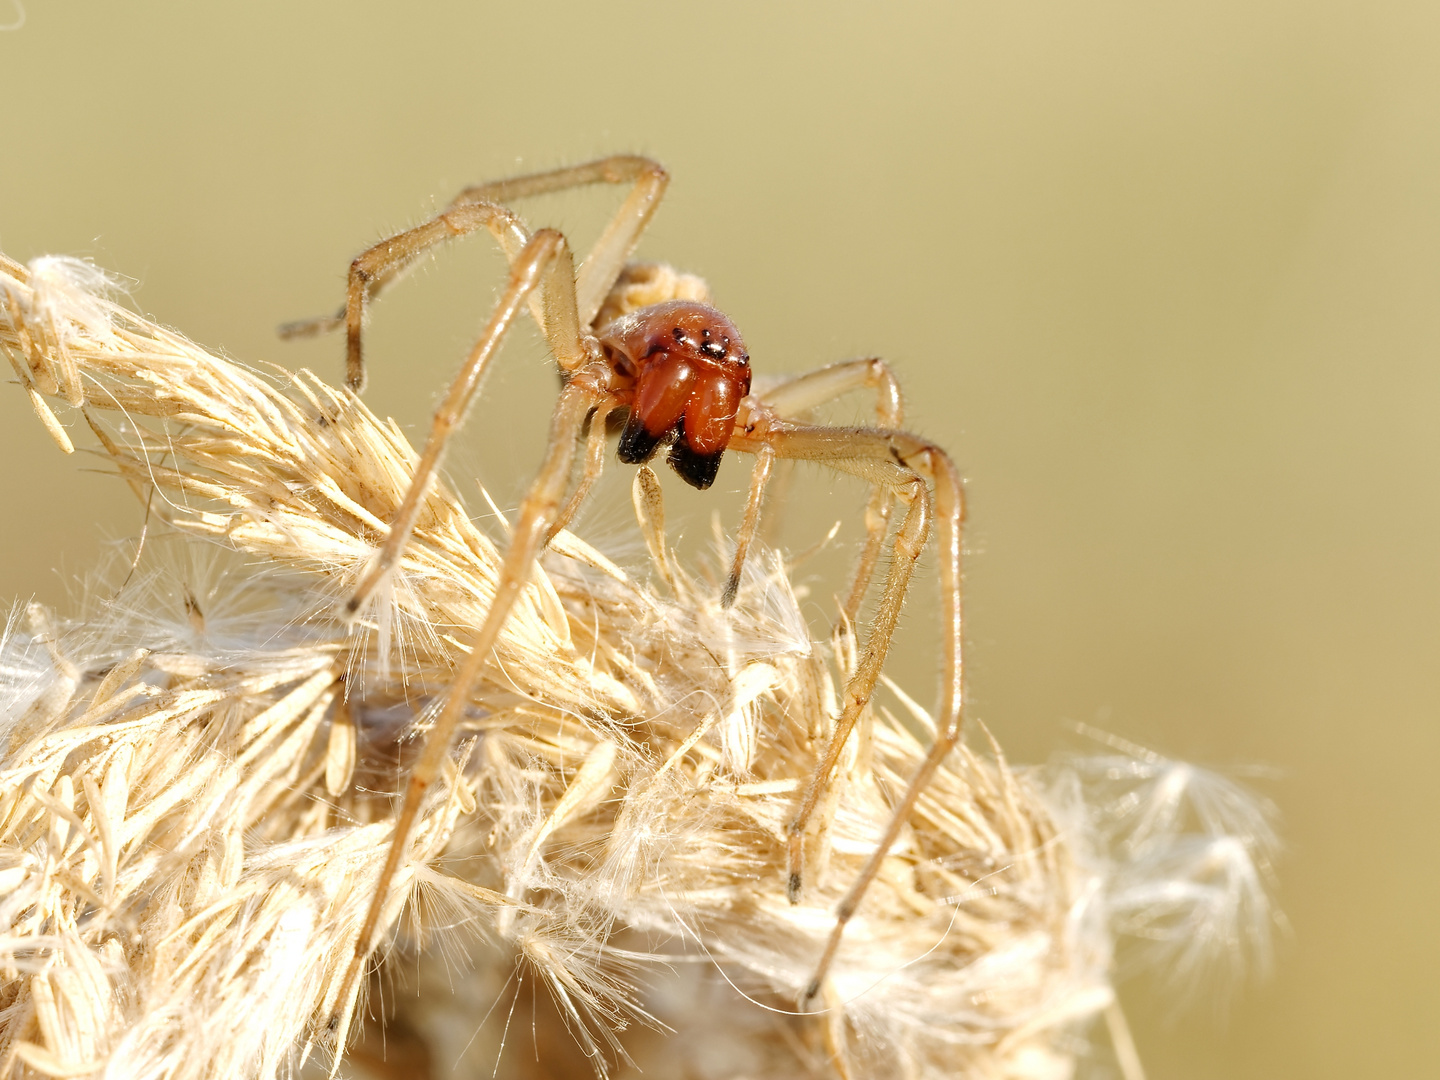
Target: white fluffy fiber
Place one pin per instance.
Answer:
(195, 779)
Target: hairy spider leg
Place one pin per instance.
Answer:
(482, 206)
(759, 479)
(902, 463)
(594, 465)
(549, 269)
(584, 392)
(602, 267)
(543, 275)
(795, 397)
(381, 264)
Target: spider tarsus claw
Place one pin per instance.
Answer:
(333, 1023)
(732, 588)
(792, 888)
(811, 993)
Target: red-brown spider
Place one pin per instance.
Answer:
(680, 368)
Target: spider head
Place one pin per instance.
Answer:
(688, 369)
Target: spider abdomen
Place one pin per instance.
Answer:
(690, 370)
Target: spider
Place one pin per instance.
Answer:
(644, 340)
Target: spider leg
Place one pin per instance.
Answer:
(909, 543)
(481, 206)
(805, 392)
(900, 462)
(584, 392)
(759, 477)
(544, 261)
(607, 258)
(379, 265)
(594, 465)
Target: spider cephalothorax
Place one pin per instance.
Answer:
(690, 370)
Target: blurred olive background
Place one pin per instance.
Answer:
(1164, 278)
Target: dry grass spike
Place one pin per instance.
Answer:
(198, 776)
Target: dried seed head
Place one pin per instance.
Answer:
(195, 780)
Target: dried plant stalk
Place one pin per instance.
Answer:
(195, 779)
